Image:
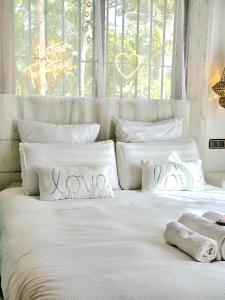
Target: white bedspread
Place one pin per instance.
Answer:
(103, 249)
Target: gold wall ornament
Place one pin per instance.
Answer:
(119, 61)
(51, 63)
(219, 88)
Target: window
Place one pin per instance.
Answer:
(139, 43)
(54, 48)
(57, 50)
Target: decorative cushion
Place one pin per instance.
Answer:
(171, 176)
(58, 183)
(133, 131)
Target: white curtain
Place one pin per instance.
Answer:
(6, 47)
(99, 48)
(180, 48)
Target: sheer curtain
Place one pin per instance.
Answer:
(6, 47)
(180, 50)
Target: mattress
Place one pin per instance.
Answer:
(103, 249)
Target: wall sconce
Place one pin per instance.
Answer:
(219, 88)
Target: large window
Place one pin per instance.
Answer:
(57, 47)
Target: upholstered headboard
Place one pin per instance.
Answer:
(71, 111)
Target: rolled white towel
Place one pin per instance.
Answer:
(207, 228)
(201, 248)
(213, 216)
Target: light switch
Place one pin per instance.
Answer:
(217, 144)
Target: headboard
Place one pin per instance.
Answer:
(71, 111)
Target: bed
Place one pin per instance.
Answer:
(97, 248)
(103, 248)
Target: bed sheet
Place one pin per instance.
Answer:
(103, 249)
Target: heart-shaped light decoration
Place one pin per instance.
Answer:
(128, 56)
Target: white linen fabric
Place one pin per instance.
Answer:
(207, 228)
(38, 132)
(66, 155)
(59, 183)
(134, 131)
(170, 176)
(130, 155)
(106, 250)
(198, 246)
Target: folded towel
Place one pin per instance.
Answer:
(213, 216)
(198, 246)
(207, 228)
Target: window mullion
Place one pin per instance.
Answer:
(94, 25)
(103, 50)
(99, 52)
(114, 51)
(150, 49)
(30, 33)
(106, 56)
(163, 48)
(46, 34)
(137, 42)
(63, 39)
(121, 77)
(46, 23)
(30, 37)
(174, 48)
(79, 51)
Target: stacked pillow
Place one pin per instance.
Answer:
(64, 161)
(134, 131)
(153, 156)
(38, 132)
(61, 161)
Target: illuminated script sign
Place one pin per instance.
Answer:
(49, 61)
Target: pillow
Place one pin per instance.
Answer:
(130, 155)
(133, 131)
(37, 132)
(58, 183)
(67, 155)
(171, 176)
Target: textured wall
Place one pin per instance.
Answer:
(198, 57)
(206, 60)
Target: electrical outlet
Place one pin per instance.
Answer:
(217, 144)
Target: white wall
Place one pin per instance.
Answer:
(215, 118)
(205, 65)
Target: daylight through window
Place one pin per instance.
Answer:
(56, 49)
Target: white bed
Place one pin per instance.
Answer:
(103, 249)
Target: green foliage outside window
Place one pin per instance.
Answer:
(141, 27)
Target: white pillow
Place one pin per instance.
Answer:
(130, 155)
(170, 176)
(38, 132)
(67, 155)
(58, 183)
(133, 131)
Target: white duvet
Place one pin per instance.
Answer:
(103, 249)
